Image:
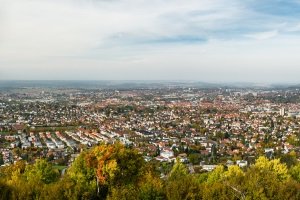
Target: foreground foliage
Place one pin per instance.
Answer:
(115, 172)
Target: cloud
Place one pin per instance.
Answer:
(105, 37)
(263, 35)
(293, 28)
(41, 28)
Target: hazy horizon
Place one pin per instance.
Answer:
(190, 83)
(212, 41)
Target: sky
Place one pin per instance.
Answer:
(203, 40)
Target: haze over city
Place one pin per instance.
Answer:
(208, 40)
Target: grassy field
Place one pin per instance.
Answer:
(54, 128)
(60, 167)
(4, 133)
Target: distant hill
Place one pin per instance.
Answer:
(131, 84)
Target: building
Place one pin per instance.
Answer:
(167, 153)
(242, 163)
(209, 168)
(282, 111)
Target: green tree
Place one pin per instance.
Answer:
(260, 183)
(181, 185)
(1, 159)
(280, 170)
(80, 179)
(216, 175)
(233, 178)
(179, 170)
(295, 172)
(289, 159)
(194, 158)
(5, 191)
(151, 187)
(218, 190)
(41, 171)
(124, 192)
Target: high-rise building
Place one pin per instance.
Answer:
(282, 111)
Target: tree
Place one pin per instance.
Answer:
(260, 183)
(1, 159)
(179, 170)
(5, 191)
(80, 179)
(194, 158)
(234, 174)
(181, 185)
(233, 178)
(116, 172)
(216, 175)
(8, 171)
(279, 169)
(289, 190)
(151, 187)
(124, 192)
(114, 165)
(289, 159)
(217, 190)
(41, 171)
(295, 172)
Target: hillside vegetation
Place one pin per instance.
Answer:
(115, 172)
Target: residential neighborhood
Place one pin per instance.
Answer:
(200, 127)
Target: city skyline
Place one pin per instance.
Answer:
(209, 40)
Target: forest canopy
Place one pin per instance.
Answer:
(117, 172)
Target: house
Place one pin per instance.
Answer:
(209, 168)
(183, 158)
(167, 153)
(161, 159)
(242, 163)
